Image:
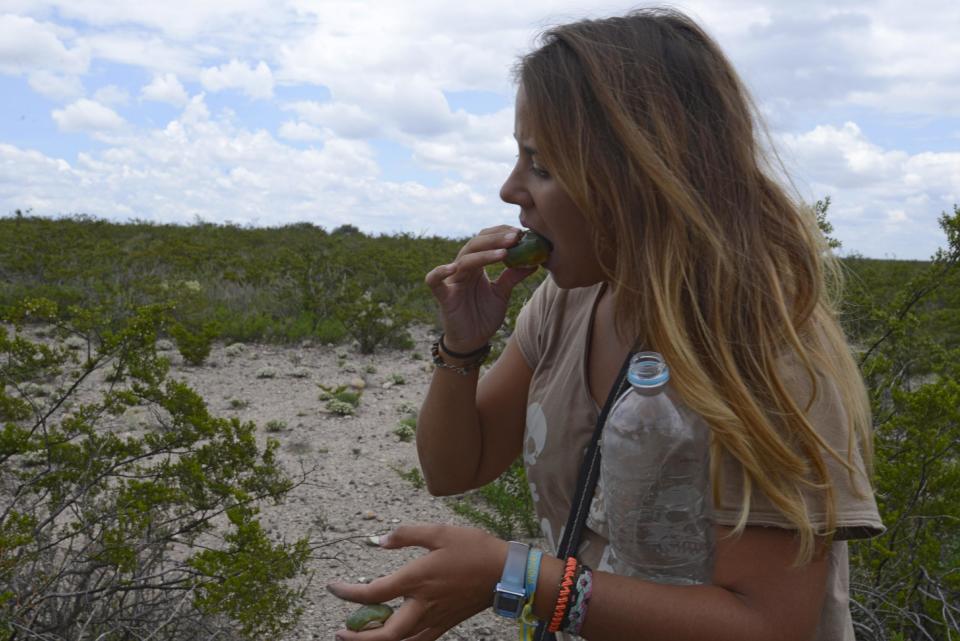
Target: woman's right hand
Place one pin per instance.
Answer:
(472, 307)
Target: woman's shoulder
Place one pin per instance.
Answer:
(553, 316)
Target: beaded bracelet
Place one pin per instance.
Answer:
(578, 611)
(563, 598)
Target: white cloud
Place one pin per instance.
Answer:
(55, 86)
(145, 50)
(204, 165)
(885, 201)
(27, 45)
(86, 115)
(292, 130)
(112, 95)
(255, 82)
(165, 88)
(176, 18)
(343, 119)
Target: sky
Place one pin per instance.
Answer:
(398, 116)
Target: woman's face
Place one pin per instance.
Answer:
(546, 208)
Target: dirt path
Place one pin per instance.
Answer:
(354, 490)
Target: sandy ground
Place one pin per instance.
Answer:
(354, 489)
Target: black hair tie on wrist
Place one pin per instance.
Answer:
(461, 355)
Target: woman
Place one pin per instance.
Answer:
(639, 162)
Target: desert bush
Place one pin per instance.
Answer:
(406, 429)
(341, 393)
(194, 343)
(373, 323)
(275, 426)
(412, 476)
(906, 583)
(234, 349)
(155, 536)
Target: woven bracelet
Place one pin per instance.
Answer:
(563, 598)
(578, 611)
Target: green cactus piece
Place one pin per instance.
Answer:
(368, 617)
(532, 249)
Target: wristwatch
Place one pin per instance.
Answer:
(510, 595)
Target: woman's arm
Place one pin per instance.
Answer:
(757, 594)
(468, 432)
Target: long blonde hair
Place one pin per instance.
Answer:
(649, 129)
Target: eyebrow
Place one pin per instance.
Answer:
(527, 148)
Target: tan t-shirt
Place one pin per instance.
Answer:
(552, 333)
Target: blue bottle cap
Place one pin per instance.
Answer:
(647, 369)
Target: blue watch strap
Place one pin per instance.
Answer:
(510, 594)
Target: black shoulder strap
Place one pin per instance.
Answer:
(586, 484)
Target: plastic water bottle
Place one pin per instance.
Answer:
(655, 474)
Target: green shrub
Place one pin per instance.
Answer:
(341, 408)
(413, 476)
(330, 330)
(341, 393)
(374, 319)
(120, 538)
(194, 344)
(275, 426)
(406, 429)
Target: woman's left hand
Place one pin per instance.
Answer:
(451, 583)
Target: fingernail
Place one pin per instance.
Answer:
(339, 638)
(333, 588)
(512, 235)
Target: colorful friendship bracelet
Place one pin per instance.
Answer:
(563, 598)
(578, 611)
(528, 622)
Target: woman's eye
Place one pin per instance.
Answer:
(539, 172)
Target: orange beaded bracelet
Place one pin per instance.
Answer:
(563, 598)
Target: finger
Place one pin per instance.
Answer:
(379, 590)
(467, 263)
(497, 229)
(434, 278)
(429, 536)
(486, 241)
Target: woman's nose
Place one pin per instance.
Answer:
(512, 191)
